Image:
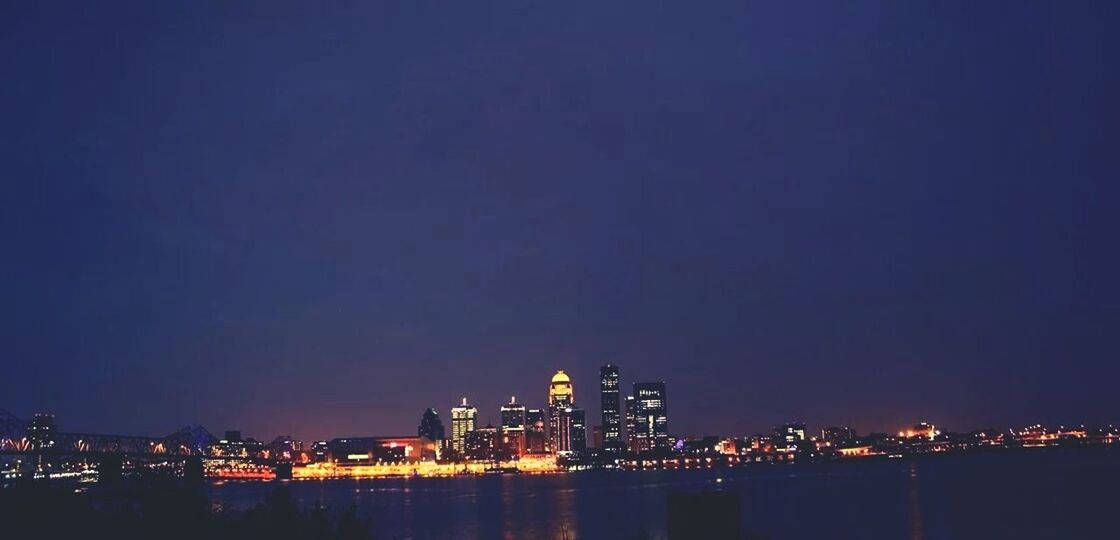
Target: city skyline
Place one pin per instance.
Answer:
(322, 220)
(466, 416)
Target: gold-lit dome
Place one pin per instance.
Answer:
(560, 392)
(561, 377)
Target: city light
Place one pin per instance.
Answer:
(547, 440)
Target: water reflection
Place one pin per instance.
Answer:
(563, 500)
(508, 521)
(915, 503)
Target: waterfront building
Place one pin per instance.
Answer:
(370, 450)
(235, 445)
(41, 431)
(561, 395)
(577, 422)
(462, 422)
(513, 426)
(651, 419)
(835, 434)
(284, 448)
(431, 427)
(790, 433)
(572, 431)
(611, 426)
(790, 437)
(631, 424)
(486, 444)
(921, 430)
(320, 451)
(536, 438)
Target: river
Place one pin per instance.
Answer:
(1031, 494)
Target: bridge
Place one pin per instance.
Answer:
(195, 450)
(21, 437)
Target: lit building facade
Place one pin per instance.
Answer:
(631, 409)
(513, 426)
(651, 417)
(790, 433)
(561, 395)
(486, 444)
(368, 450)
(571, 430)
(462, 422)
(536, 437)
(611, 415)
(576, 419)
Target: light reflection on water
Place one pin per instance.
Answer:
(945, 497)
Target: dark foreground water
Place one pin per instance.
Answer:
(1042, 494)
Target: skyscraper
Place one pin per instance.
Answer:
(462, 423)
(536, 439)
(608, 391)
(561, 395)
(431, 427)
(577, 429)
(651, 421)
(571, 431)
(513, 426)
(631, 424)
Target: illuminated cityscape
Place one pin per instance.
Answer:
(527, 440)
(443, 270)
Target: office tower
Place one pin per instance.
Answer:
(631, 424)
(536, 440)
(596, 437)
(462, 423)
(571, 431)
(789, 433)
(612, 425)
(431, 427)
(513, 426)
(485, 444)
(560, 396)
(651, 417)
(576, 420)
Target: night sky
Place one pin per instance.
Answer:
(319, 221)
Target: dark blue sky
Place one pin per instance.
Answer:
(320, 221)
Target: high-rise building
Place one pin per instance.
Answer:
(536, 438)
(612, 421)
(631, 424)
(789, 433)
(576, 419)
(571, 431)
(485, 444)
(431, 427)
(561, 395)
(651, 422)
(513, 426)
(462, 423)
